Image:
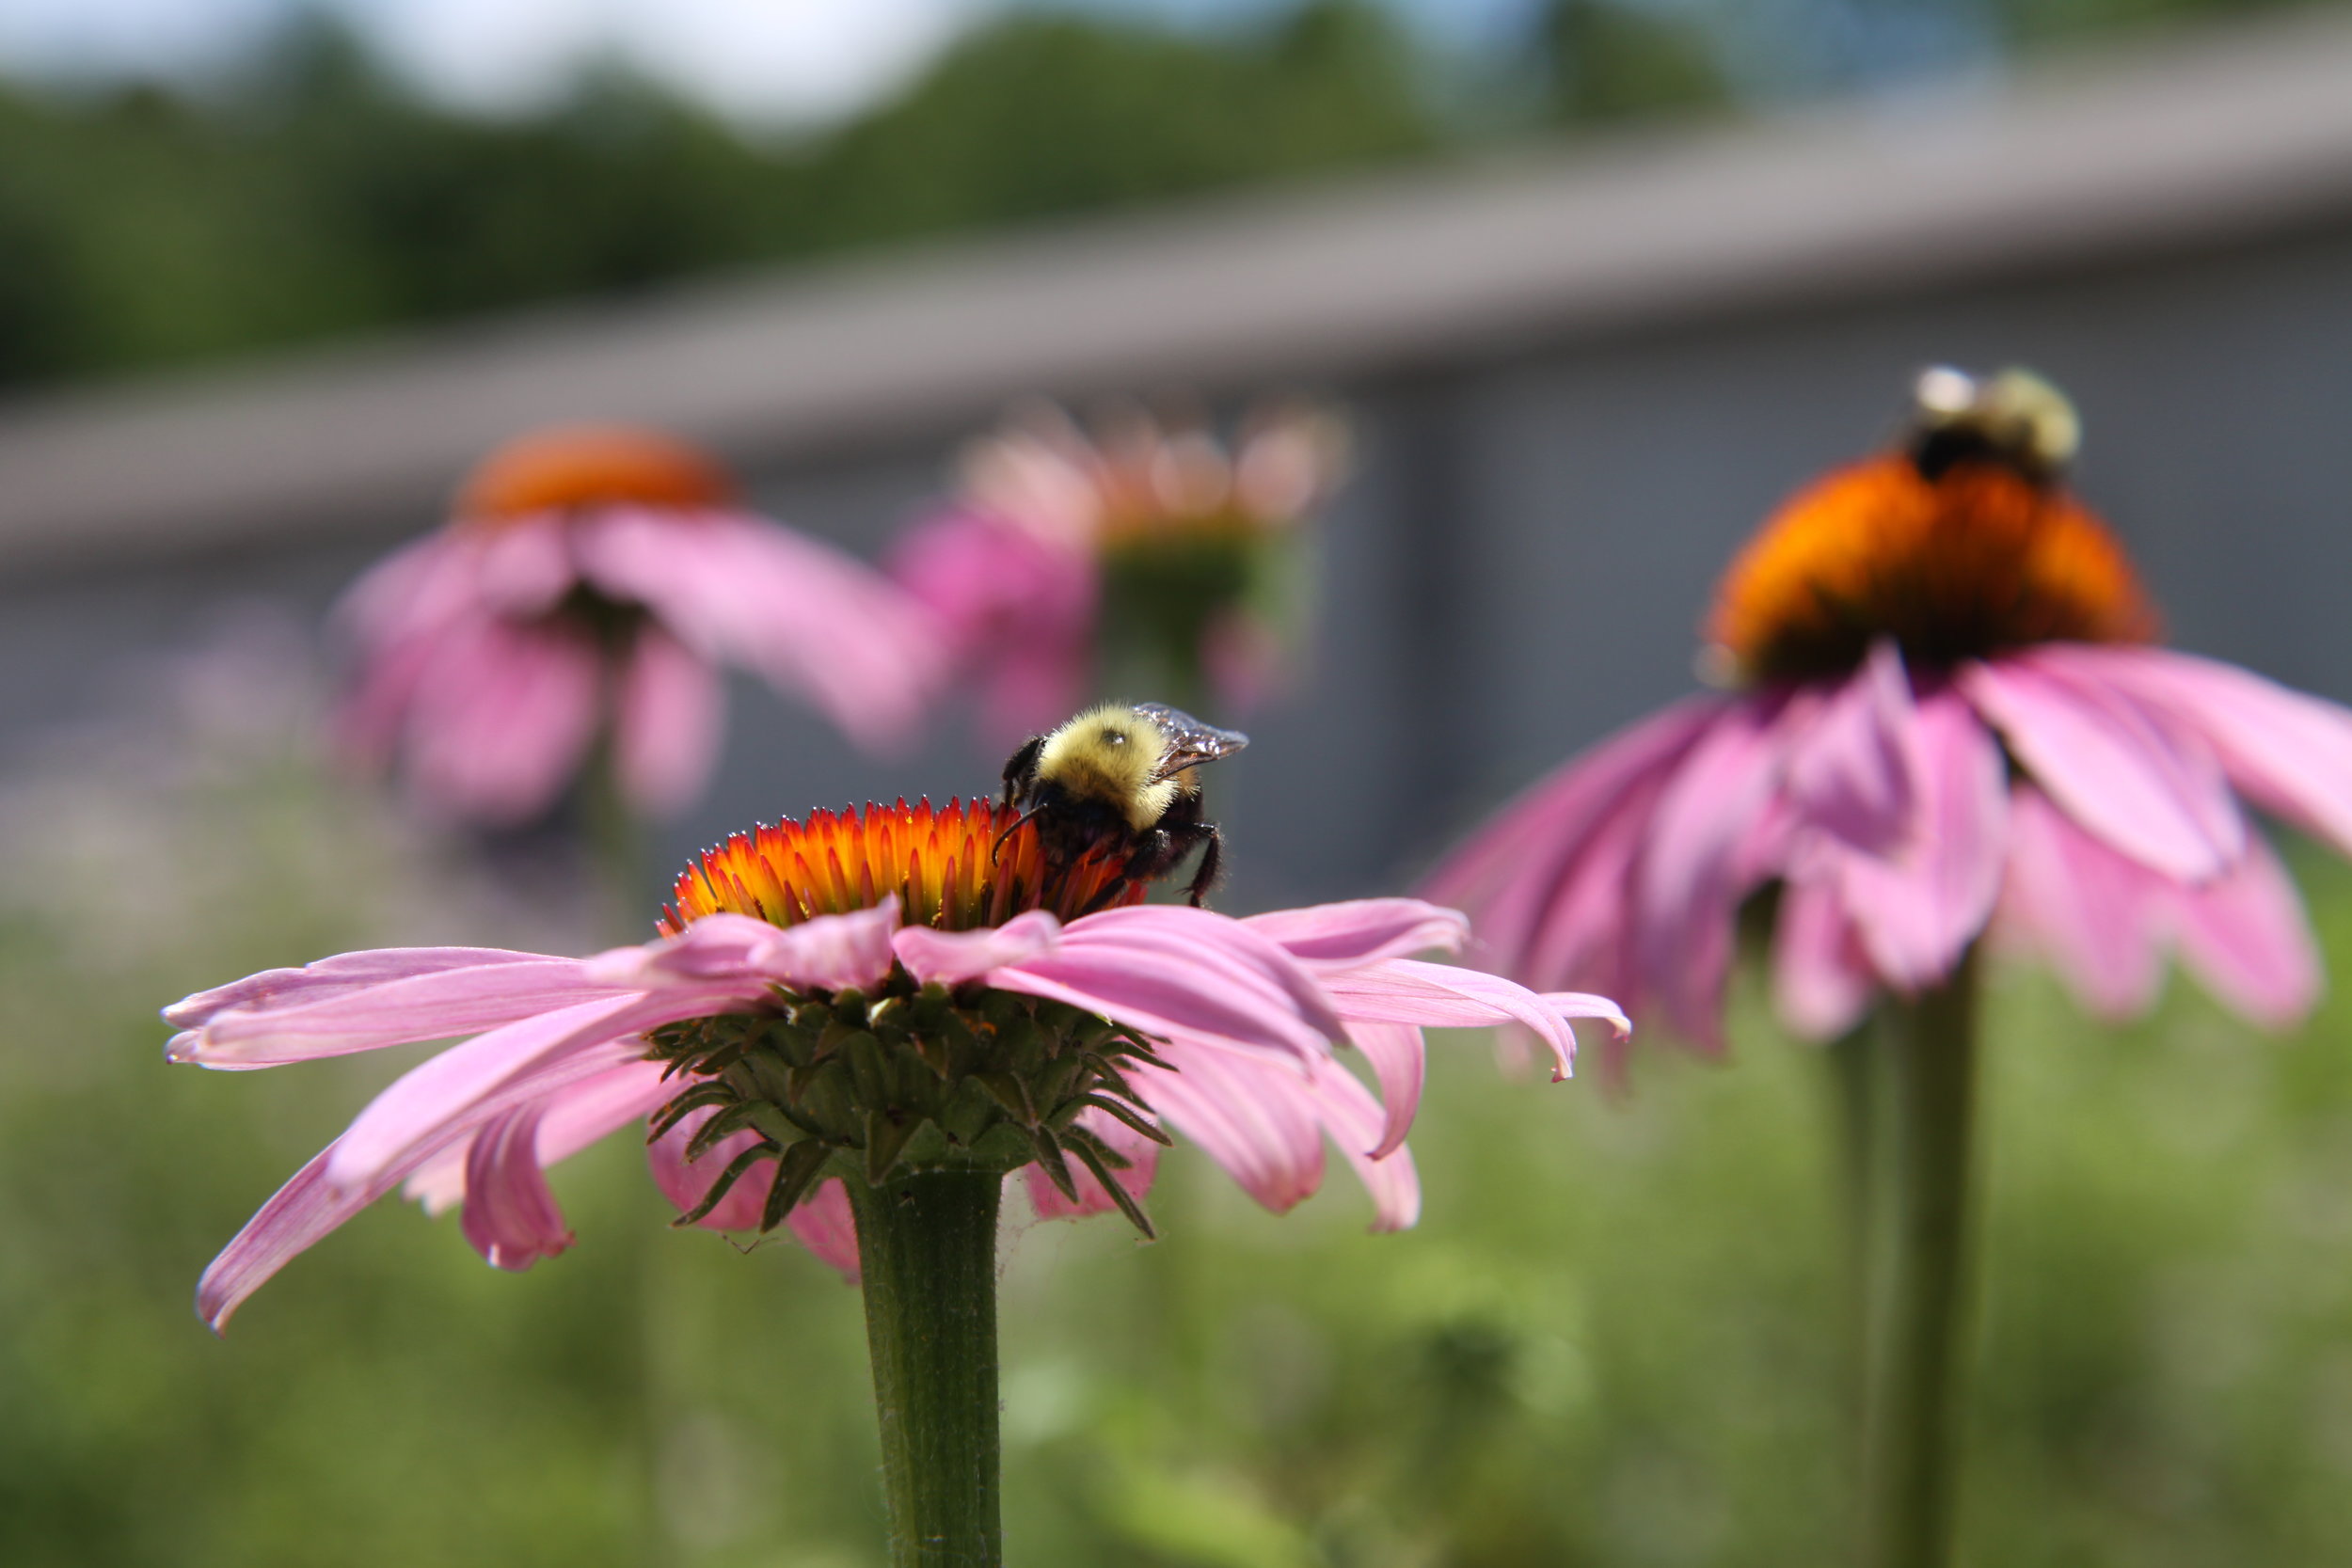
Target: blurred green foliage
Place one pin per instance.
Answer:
(1614, 1340)
(141, 227)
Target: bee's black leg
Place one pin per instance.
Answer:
(1212, 860)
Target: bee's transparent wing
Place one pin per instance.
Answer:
(1190, 742)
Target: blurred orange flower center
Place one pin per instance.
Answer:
(1977, 560)
(561, 470)
(945, 864)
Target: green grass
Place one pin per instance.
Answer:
(1614, 1340)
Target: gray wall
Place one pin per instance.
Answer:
(1522, 557)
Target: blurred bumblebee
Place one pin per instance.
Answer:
(1120, 781)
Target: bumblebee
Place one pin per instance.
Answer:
(1119, 779)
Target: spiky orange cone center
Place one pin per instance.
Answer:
(574, 469)
(1977, 560)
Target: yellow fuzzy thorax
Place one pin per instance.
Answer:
(1111, 754)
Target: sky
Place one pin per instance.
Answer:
(771, 61)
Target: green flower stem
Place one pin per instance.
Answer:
(1912, 1414)
(926, 1243)
(1856, 1061)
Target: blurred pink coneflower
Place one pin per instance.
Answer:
(583, 595)
(1949, 706)
(1144, 557)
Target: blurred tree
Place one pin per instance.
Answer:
(1611, 60)
(144, 229)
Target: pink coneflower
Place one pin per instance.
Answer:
(874, 988)
(1146, 558)
(893, 1012)
(587, 588)
(1949, 714)
(1948, 705)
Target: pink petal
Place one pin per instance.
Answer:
(522, 568)
(1258, 1122)
(809, 618)
(511, 1216)
(1324, 937)
(452, 1089)
(1692, 876)
(668, 724)
(825, 1225)
(1399, 1059)
(2098, 915)
(296, 1217)
(1355, 1121)
(830, 952)
(1853, 769)
(1143, 1157)
(1018, 608)
(1406, 990)
(2243, 935)
(2144, 785)
(687, 1183)
(339, 976)
(1821, 981)
(1184, 974)
(574, 1118)
(427, 1006)
(310, 1205)
(952, 957)
(1531, 857)
(1916, 909)
(2290, 754)
(502, 719)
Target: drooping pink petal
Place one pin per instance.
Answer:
(669, 718)
(1015, 606)
(1531, 857)
(330, 977)
(2099, 915)
(1184, 974)
(501, 717)
(511, 1216)
(2141, 782)
(522, 568)
(2244, 937)
(2289, 753)
(1406, 990)
(1324, 937)
(572, 1118)
(809, 618)
(824, 1224)
(452, 1089)
(1689, 879)
(1399, 1059)
(311, 1205)
(296, 1217)
(1853, 769)
(1356, 1122)
(952, 957)
(1259, 1123)
(293, 1021)
(1583, 939)
(1916, 909)
(830, 951)
(1822, 980)
(686, 1184)
(1143, 1163)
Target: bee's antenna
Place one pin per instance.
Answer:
(996, 848)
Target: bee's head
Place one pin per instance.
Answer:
(2014, 419)
(1111, 754)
